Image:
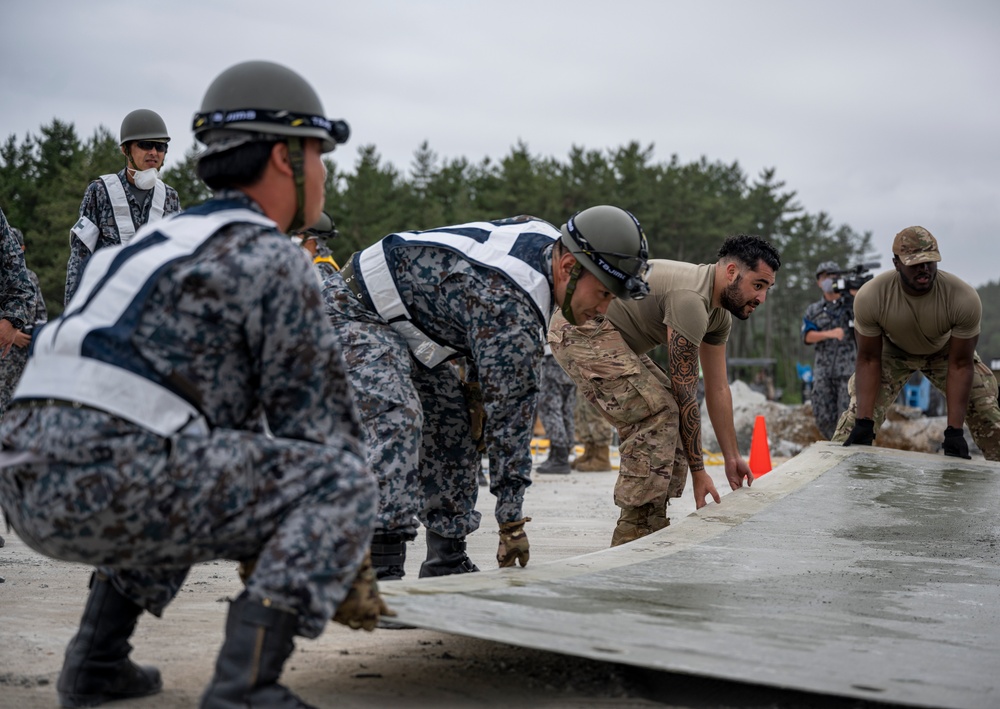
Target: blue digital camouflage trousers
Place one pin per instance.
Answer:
(556, 404)
(143, 509)
(417, 422)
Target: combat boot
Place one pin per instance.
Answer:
(633, 523)
(446, 556)
(258, 641)
(557, 462)
(513, 543)
(599, 461)
(97, 668)
(389, 556)
(588, 452)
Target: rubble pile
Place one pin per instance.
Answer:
(791, 427)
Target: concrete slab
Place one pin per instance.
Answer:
(864, 573)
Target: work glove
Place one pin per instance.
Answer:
(513, 543)
(364, 604)
(955, 444)
(477, 412)
(863, 433)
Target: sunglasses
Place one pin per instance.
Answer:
(157, 145)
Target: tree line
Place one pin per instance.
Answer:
(686, 210)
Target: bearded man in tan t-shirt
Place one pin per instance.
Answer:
(919, 319)
(689, 310)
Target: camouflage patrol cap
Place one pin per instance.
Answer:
(828, 267)
(915, 245)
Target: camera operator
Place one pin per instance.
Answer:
(828, 324)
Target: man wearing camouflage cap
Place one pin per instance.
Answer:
(115, 206)
(214, 420)
(920, 319)
(827, 323)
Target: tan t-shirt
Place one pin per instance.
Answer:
(680, 295)
(918, 325)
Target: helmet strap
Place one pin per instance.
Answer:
(296, 158)
(574, 275)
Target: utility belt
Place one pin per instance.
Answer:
(354, 283)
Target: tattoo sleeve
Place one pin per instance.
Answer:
(683, 370)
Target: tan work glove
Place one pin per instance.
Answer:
(513, 543)
(363, 605)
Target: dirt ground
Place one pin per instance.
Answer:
(41, 601)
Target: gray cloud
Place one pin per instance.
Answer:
(882, 114)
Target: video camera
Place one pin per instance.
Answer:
(855, 277)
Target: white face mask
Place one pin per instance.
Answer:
(827, 285)
(145, 179)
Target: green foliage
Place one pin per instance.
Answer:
(686, 209)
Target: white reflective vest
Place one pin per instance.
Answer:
(88, 232)
(493, 246)
(86, 356)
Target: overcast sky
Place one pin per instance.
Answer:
(882, 113)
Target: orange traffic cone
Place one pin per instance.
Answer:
(760, 451)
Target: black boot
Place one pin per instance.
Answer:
(445, 556)
(258, 641)
(97, 667)
(389, 556)
(557, 462)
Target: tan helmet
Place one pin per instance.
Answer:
(260, 100)
(143, 124)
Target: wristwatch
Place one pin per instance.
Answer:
(18, 323)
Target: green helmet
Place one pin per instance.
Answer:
(259, 100)
(608, 242)
(143, 124)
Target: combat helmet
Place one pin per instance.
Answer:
(143, 124)
(609, 242)
(261, 101)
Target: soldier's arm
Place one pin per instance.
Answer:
(683, 371)
(868, 374)
(961, 353)
(719, 402)
(83, 236)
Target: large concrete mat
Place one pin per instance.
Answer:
(854, 572)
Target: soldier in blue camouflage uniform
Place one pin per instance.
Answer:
(555, 408)
(12, 365)
(484, 291)
(15, 297)
(827, 323)
(213, 421)
(17, 304)
(136, 191)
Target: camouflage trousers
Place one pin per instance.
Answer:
(830, 398)
(556, 403)
(11, 368)
(418, 428)
(591, 426)
(982, 416)
(143, 508)
(633, 394)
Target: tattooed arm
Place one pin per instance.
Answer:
(719, 401)
(683, 370)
